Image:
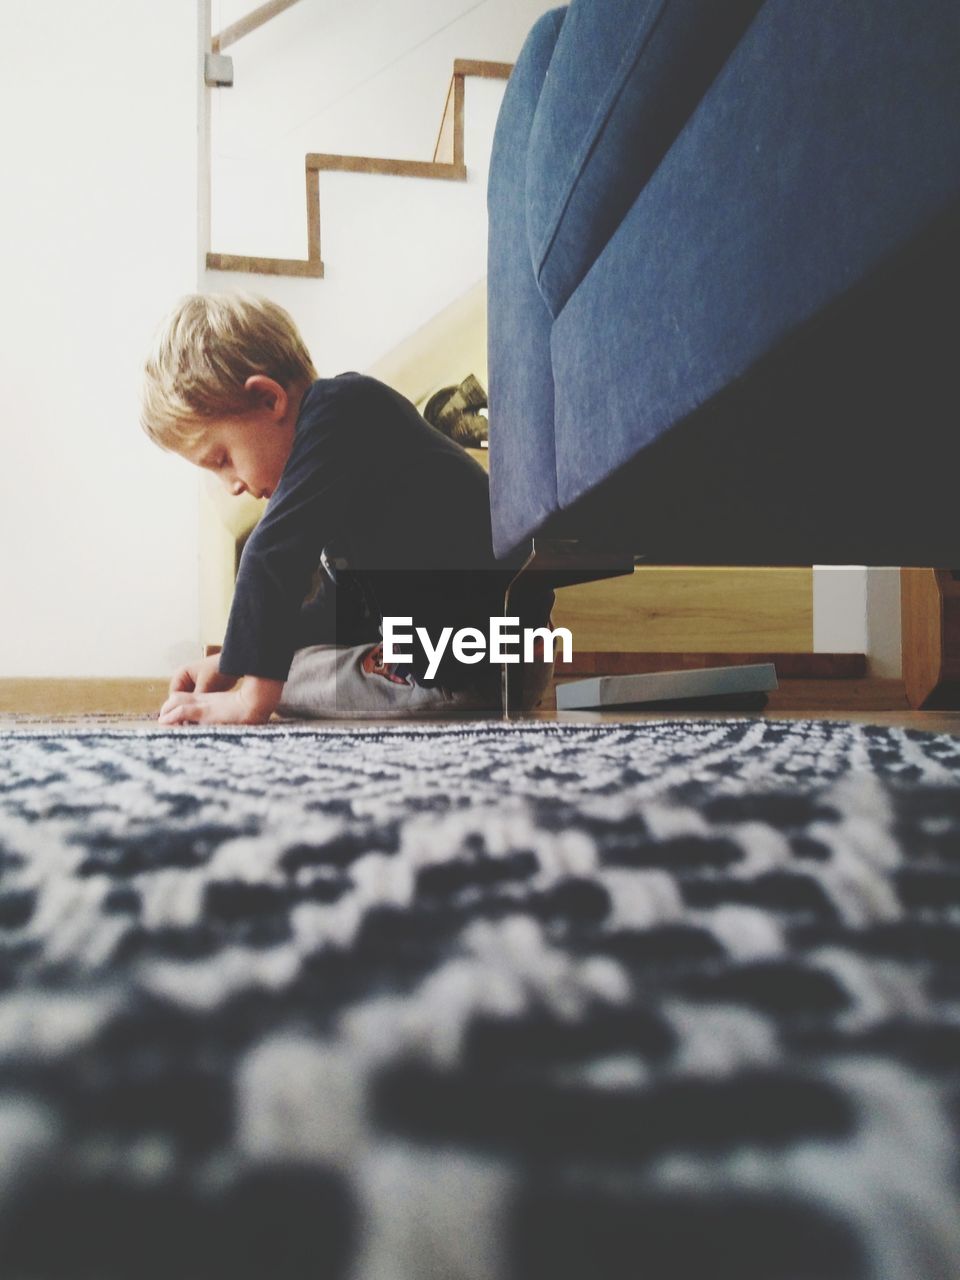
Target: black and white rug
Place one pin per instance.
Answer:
(535, 1002)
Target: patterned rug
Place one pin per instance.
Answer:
(495, 1002)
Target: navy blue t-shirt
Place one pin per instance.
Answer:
(404, 511)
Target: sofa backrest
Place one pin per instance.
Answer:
(523, 468)
(624, 77)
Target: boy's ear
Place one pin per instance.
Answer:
(266, 393)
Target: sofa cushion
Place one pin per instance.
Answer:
(523, 470)
(624, 77)
(827, 144)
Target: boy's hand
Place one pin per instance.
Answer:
(252, 703)
(202, 676)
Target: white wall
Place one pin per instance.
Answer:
(99, 103)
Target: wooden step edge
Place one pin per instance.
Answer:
(394, 168)
(449, 145)
(480, 69)
(264, 266)
(313, 217)
(790, 666)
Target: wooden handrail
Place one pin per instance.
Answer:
(243, 26)
(447, 165)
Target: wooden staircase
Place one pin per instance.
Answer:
(447, 165)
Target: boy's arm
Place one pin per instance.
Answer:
(252, 702)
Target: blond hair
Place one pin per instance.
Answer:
(203, 354)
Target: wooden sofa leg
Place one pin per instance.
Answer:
(930, 613)
(552, 563)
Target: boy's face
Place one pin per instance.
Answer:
(246, 453)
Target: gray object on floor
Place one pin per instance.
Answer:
(666, 686)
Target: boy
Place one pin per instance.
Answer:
(371, 513)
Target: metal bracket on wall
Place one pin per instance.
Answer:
(217, 71)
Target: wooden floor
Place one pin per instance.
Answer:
(929, 721)
(64, 705)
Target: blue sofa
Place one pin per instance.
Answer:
(723, 282)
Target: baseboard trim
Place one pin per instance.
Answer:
(65, 696)
(823, 697)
